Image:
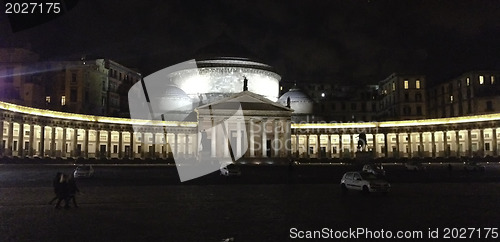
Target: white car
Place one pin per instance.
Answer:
(375, 169)
(365, 182)
(83, 171)
(230, 170)
(414, 166)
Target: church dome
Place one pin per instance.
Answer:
(174, 104)
(299, 101)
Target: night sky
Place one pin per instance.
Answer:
(321, 41)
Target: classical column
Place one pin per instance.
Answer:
(375, 145)
(53, 141)
(132, 148)
(297, 145)
(397, 145)
(433, 144)
(1, 138)
(386, 145)
(421, 140)
(494, 141)
(176, 143)
(288, 138)
(329, 146)
(63, 147)
(120, 144)
(75, 141)
(143, 145)
(353, 146)
(318, 145)
(410, 155)
(251, 138)
(31, 140)
(98, 143)
(165, 144)
(457, 141)
(307, 145)
(86, 142)
(109, 144)
(469, 142)
(42, 140)
(341, 148)
(10, 138)
(20, 145)
(275, 138)
(445, 143)
(213, 141)
(481, 142)
(264, 138)
(238, 138)
(186, 144)
(226, 137)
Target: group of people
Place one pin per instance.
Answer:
(65, 189)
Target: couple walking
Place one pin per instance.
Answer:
(65, 189)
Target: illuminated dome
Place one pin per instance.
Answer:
(216, 78)
(299, 101)
(175, 104)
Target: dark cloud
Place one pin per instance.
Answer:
(334, 41)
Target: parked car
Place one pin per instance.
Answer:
(365, 182)
(230, 170)
(414, 166)
(375, 169)
(473, 166)
(83, 171)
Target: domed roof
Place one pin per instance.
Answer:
(299, 101)
(174, 104)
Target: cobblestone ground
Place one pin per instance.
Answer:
(246, 212)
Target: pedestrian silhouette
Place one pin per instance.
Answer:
(55, 184)
(72, 189)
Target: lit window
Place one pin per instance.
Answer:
(417, 84)
(63, 100)
(322, 94)
(281, 88)
(47, 99)
(468, 81)
(492, 79)
(451, 98)
(481, 80)
(406, 84)
(393, 86)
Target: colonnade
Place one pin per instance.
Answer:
(458, 142)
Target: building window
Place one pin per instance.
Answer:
(459, 83)
(73, 95)
(451, 99)
(481, 80)
(417, 84)
(406, 84)
(393, 86)
(468, 81)
(492, 79)
(353, 106)
(47, 99)
(63, 100)
(419, 110)
(418, 97)
(489, 106)
(407, 97)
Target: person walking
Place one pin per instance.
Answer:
(62, 192)
(72, 190)
(55, 184)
